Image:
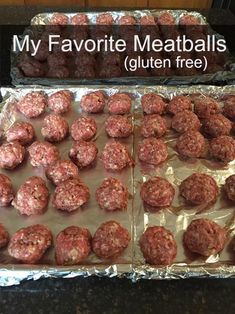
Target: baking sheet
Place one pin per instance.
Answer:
(131, 264)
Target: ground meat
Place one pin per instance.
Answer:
(93, 102)
(70, 195)
(80, 19)
(204, 237)
(83, 128)
(118, 126)
(32, 104)
(28, 245)
(84, 59)
(109, 71)
(229, 187)
(191, 144)
(22, 132)
(110, 240)
(153, 126)
(158, 246)
(58, 72)
(178, 104)
(43, 154)
(153, 103)
(32, 197)
(199, 188)
(83, 153)
(61, 171)
(104, 19)
(157, 192)
(11, 155)
(54, 128)
(61, 101)
(147, 20)
(189, 19)
(85, 72)
(229, 107)
(6, 191)
(119, 103)
(217, 125)
(56, 59)
(42, 53)
(4, 236)
(31, 67)
(185, 121)
(127, 20)
(112, 195)
(72, 246)
(59, 19)
(116, 156)
(204, 106)
(152, 151)
(223, 148)
(166, 18)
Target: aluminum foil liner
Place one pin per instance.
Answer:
(176, 218)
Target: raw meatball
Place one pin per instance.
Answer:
(153, 103)
(191, 144)
(4, 236)
(93, 102)
(199, 189)
(147, 20)
(119, 103)
(31, 67)
(185, 121)
(158, 246)
(166, 18)
(127, 20)
(152, 151)
(72, 246)
(57, 59)
(223, 148)
(112, 195)
(32, 197)
(85, 72)
(83, 128)
(157, 192)
(59, 19)
(116, 156)
(60, 102)
(110, 240)
(104, 19)
(54, 128)
(229, 187)
(189, 19)
(109, 71)
(85, 59)
(179, 103)
(58, 72)
(70, 195)
(11, 155)
(61, 171)
(204, 237)
(22, 132)
(229, 107)
(217, 125)
(28, 245)
(204, 106)
(32, 104)
(83, 153)
(43, 154)
(153, 126)
(118, 126)
(80, 19)
(6, 192)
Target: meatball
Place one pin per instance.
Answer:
(104, 19)
(80, 19)
(72, 246)
(61, 101)
(229, 187)
(199, 189)
(85, 72)
(147, 20)
(112, 195)
(153, 103)
(217, 125)
(32, 197)
(166, 18)
(204, 237)
(191, 144)
(185, 121)
(84, 59)
(110, 240)
(28, 245)
(229, 107)
(22, 132)
(83, 128)
(93, 102)
(83, 153)
(223, 148)
(54, 128)
(119, 103)
(178, 104)
(58, 72)
(42, 52)
(116, 156)
(61, 171)
(204, 106)
(31, 67)
(109, 71)
(70, 195)
(127, 20)
(153, 126)
(152, 151)
(189, 19)
(11, 155)
(157, 192)
(4, 236)
(6, 191)
(118, 126)
(59, 19)
(32, 104)
(158, 246)
(43, 154)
